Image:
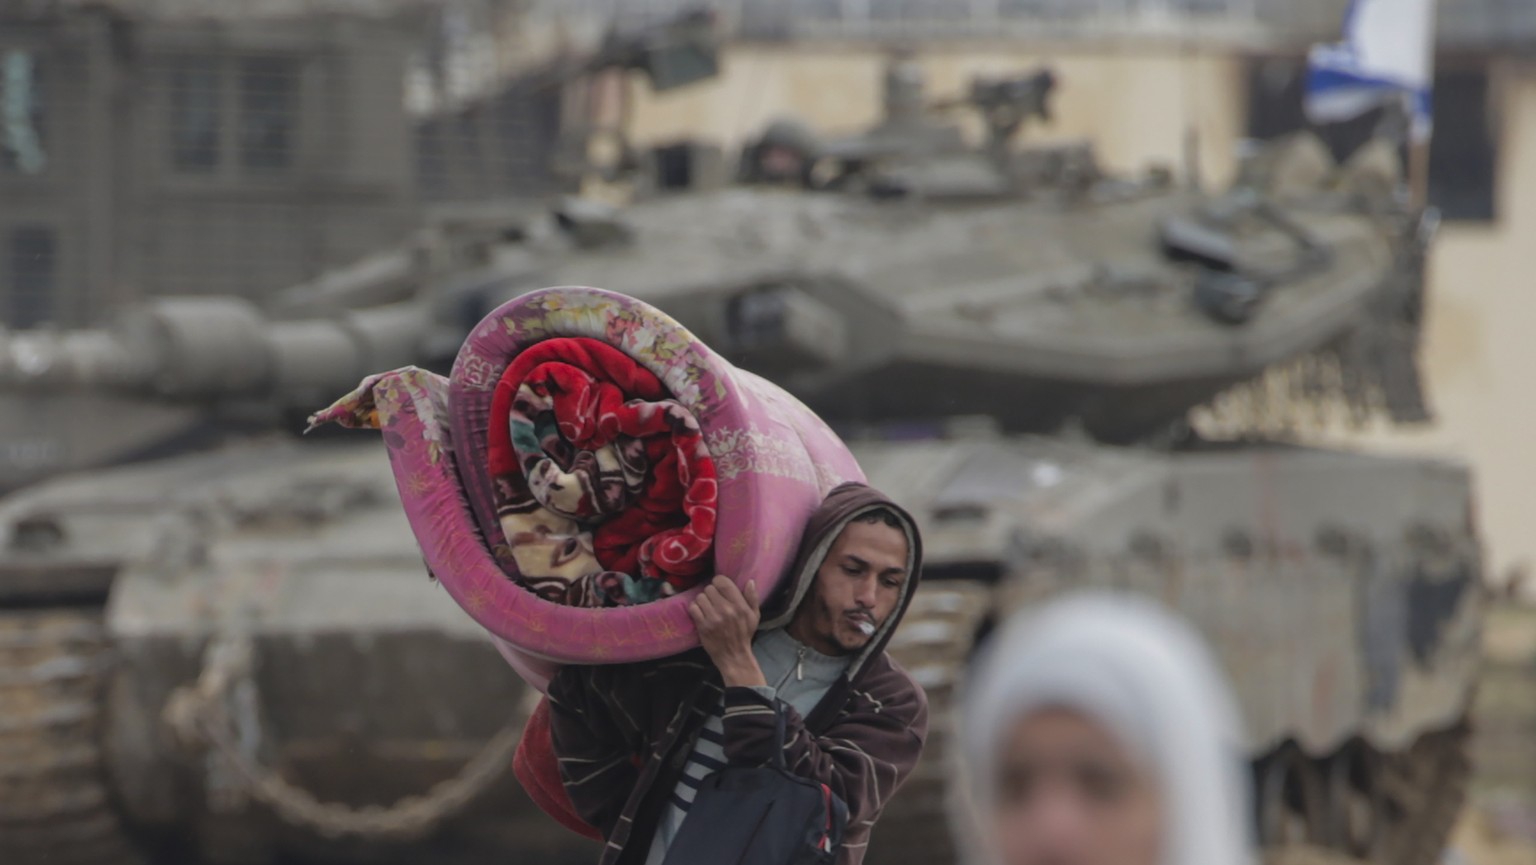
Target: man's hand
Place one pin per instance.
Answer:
(727, 620)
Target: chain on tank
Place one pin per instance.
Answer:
(201, 716)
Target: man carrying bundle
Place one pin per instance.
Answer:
(638, 742)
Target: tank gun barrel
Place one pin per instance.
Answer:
(213, 349)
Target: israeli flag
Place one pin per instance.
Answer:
(1387, 54)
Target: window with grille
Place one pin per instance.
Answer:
(269, 96)
(23, 145)
(235, 114)
(196, 114)
(33, 263)
(1462, 160)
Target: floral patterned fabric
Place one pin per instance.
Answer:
(605, 493)
(775, 460)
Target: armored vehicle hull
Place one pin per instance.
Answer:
(1342, 593)
(208, 654)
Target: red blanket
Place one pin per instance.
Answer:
(605, 491)
(538, 771)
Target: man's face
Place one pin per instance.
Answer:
(1068, 794)
(859, 583)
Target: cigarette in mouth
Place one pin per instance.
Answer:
(867, 629)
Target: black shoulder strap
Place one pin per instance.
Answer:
(778, 735)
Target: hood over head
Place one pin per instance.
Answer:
(842, 506)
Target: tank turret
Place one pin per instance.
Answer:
(1121, 306)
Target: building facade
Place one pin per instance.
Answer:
(155, 147)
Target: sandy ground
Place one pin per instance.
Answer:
(1477, 841)
(1499, 827)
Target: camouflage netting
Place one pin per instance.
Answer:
(1369, 374)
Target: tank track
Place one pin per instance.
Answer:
(934, 644)
(55, 804)
(1416, 795)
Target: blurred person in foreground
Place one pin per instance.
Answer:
(1100, 731)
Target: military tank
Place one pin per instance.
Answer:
(1072, 379)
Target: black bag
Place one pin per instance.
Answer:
(763, 816)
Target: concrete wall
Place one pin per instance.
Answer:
(1481, 343)
(126, 224)
(349, 187)
(65, 196)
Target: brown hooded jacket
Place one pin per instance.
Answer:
(623, 733)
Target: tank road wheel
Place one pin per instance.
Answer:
(55, 807)
(933, 643)
(1422, 792)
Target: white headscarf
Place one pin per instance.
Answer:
(1150, 681)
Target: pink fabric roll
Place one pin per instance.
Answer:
(774, 458)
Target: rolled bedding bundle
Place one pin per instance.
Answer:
(586, 465)
(603, 491)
